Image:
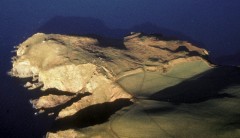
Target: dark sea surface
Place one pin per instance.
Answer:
(212, 24)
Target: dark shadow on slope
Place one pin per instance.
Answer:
(163, 33)
(58, 108)
(108, 41)
(91, 115)
(201, 88)
(111, 42)
(233, 123)
(55, 91)
(183, 48)
(36, 93)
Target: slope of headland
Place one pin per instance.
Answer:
(140, 69)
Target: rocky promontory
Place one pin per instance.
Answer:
(142, 66)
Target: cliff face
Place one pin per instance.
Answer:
(80, 64)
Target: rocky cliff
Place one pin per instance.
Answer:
(144, 65)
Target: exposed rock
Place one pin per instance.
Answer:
(100, 132)
(50, 101)
(79, 64)
(35, 85)
(28, 84)
(64, 134)
(50, 114)
(32, 86)
(41, 111)
(213, 111)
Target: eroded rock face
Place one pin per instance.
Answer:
(50, 101)
(71, 78)
(64, 134)
(78, 64)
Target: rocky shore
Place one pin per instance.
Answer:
(135, 67)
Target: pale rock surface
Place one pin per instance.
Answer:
(64, 134)
(79, 64)
(50, 101)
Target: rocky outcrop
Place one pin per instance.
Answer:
(50, 101)
(79, 64)
(64, 134)
(202, 106)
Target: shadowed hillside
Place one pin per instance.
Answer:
(72, 25)
(203, 87)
